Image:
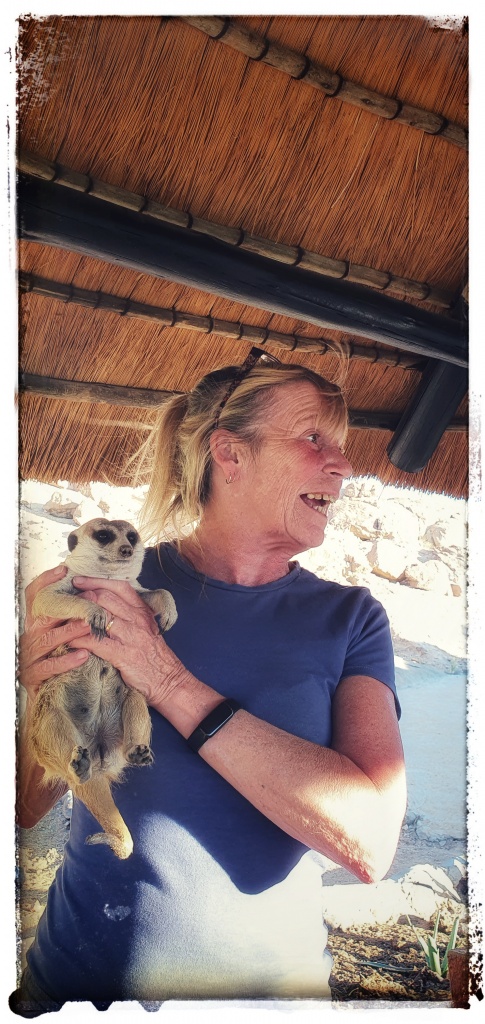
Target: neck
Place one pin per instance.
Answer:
(223, 552)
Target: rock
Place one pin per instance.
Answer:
(387, 559)
(434, 534)
(88, 509)
(428, 889)
(400, 522)
(356, 516)
(62, 507)
(84, 489)
(370, 489)
(388, 520)
(425, 555)
(420, 893)
(31, 914)
(455, 868)
(39, 872)
(350, 491)
(446, 533)
(432, 575)
(355, 558)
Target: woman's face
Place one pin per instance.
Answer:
(297, 472)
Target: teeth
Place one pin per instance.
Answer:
(322, 497)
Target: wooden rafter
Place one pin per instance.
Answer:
(331, 83)
(171, 317)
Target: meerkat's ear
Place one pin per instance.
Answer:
(71, 541)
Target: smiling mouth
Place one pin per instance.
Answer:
(318, 502)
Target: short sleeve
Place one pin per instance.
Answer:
(370, 651)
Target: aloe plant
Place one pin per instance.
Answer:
(430, 946)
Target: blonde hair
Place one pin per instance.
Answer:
(177, 453)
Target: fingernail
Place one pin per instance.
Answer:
(60, 569)
(80, 655)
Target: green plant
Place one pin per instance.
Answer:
(430, 946)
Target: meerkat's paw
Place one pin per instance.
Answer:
(141, 754)
(81, 764)
(97, 620)
(162, 604)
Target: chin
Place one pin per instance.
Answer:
(310, 541)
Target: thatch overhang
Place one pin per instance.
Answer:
(174, 130)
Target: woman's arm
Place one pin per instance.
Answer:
(42, 636)
(346, 802)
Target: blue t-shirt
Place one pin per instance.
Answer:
(215, 901)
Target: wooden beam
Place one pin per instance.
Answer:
(237, 331)
(297, 256)
(56, 216)
(148, 398)
(428, 415)
(92, 391)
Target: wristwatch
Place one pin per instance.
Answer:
(212, 723)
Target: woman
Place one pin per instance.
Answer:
(274, 717)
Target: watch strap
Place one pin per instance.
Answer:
(214, 721)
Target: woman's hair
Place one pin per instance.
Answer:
(177, 453)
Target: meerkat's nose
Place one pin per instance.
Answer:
(126, 550)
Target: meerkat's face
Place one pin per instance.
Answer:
(106, 549)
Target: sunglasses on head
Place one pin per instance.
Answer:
(253, 357)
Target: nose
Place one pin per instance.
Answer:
(336, 464)
(126, 550)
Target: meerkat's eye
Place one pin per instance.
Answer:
(104, 536)
(132, 537)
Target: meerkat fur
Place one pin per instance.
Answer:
(87, 725)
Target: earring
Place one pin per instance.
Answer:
(229, 479)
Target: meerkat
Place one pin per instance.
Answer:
(87, 724)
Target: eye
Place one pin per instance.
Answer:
(103, 536)
(132, 537)
(314, 438)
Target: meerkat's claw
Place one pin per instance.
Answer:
(122, 847)
(98, 621)
(140, 755)
(81, 764)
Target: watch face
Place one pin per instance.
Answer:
(212, 723)
(217, 718)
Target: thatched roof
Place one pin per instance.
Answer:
(214, 144)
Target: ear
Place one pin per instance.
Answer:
(227, 450)
(72, 541)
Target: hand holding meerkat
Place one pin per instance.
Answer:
(87, 724)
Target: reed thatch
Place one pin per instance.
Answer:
(155, 107)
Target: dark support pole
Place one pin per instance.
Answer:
(53, 215)
(422, 425)
(430, 411)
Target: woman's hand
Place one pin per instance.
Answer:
(134, 644)
(42, 636)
